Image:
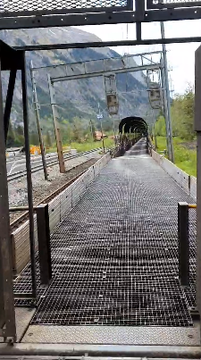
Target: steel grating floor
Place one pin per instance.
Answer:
(115, 259)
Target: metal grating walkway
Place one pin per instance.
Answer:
(115, 255)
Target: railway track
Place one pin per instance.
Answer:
(23, 217)
(50, 162)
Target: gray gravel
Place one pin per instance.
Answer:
(17, 189)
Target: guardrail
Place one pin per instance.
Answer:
(183, 240)
(187, 182)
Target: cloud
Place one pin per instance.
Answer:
(180, 56)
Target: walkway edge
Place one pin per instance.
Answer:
(79, 350)
(186, 182)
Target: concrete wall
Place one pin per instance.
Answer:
(59, 207)
(187, 182)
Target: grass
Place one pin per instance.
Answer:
(89, 145)
(85, 146)
(185, 158)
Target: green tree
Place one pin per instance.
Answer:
(92, 128)
(160, 128)
(34, 139)
(48, 140)
(182, 112)
(19, 130)
(10, 136)
(77, 130)
(19, 136)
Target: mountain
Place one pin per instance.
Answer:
(77, 98)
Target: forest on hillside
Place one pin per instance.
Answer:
(184, 136)
(78, 130)
(182, 116)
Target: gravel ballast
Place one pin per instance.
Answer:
(17, 189)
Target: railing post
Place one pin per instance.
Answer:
(44, 243)
(183, 238)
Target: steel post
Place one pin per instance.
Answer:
(155, 137)
(44, 243)
(183, 238)
(165, 85)
(103, 142)
(197, 126)
(9, 99)
(29, 179)
(56, 127)
(36, 108)
(140, 10)
(7, 314)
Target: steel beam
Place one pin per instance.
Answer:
(127, 56)
(56, 127)
(44, 244)
(29, 179)
(7, 314)
(93, 18)
(140, 11)
(105, 72)
(102, 44)
(36, 108)
(197, 126)
(166, 91)
(183, 238)
(9, 100)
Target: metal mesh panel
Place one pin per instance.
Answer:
(158, 4)
(115, 256)
(191, 290)
(30, 7)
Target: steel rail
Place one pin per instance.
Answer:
(22, 173)
(15, 224)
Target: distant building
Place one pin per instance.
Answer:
(98, 135)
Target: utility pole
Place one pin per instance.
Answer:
(103, 142)
(166, 97)
(56, 126)
(36, 108)
(91, 129)
(155, 137)
(99, 117)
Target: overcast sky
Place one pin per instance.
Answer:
(180, 56)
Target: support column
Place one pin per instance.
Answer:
(56, 127)
(197, 125)
(183, 238)
(9, 100)
(36, 108)
(166, 92)
(44, 244)
(7, 314)
(29, 179)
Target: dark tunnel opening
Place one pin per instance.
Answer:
(131, 129)
(133, 124)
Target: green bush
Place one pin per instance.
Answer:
(184, 157)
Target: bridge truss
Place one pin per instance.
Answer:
(149, 62)
(16, 14)
(50, 13)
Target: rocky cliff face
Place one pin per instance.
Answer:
(75, 98)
